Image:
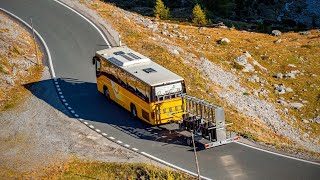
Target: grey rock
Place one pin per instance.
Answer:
(290, 75)
(278, 75)
(289, 89)
(224, 40)
(296, 105)
(276, 33)
(254, 79)
(304, 33)
(278, 41)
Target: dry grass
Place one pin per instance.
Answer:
(20, 48)
(302, 51)
(79, 169)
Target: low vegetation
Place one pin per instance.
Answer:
(80, 169)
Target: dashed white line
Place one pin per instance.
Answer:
(69, 107)
(120, 142)
(104, 134)
(56, 81)
(135, 149)
(111, 137)
(60, 93)
(98, 130)
(76, 115)
(86, 123)
(80, 119)
(66, 104)
(63, 100)
(127, 145)
(58, 89)
(72, 111)
(62, 97)
(173, 166)
(57, 85)
(92, 127)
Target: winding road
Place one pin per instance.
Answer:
(72, 42)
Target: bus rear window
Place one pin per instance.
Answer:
(168, 91)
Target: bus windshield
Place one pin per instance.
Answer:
(168, 91)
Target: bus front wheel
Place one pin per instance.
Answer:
(106, 93)
(134, 111)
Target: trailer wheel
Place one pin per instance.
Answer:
(189, 142)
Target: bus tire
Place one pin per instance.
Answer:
(106, 92)
(134, 113)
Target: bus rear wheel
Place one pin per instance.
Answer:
(106, 93)
(134, 111)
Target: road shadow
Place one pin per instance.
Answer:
(87, 102)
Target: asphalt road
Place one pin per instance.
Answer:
(72, 42)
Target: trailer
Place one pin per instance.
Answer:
(206, 122)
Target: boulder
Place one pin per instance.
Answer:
(224, 40)
(278, 75)
(304, 33)
(296, 105)
(276, 33)
(290, 75)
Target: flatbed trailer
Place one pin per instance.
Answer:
(206, 122)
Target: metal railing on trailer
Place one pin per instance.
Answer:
(206, 121)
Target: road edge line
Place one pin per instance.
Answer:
(173, 166)
(53, 74)
(278, 154)
(85, 18)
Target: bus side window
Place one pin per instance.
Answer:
(147, 93)
(98, 65)
(131, 82)
(122, 76)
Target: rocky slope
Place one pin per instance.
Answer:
(237, 69)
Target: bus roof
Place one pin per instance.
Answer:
(139, 66)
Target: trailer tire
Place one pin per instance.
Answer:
(189, 141)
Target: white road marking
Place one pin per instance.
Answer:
(120, 142)
(135, 149)
(92, 127)
(173, 166)
(90, 22)
(72, 111)
(69, 107)
(104, 134)
(111, 138)
(63, 100)
(58, 89)
(80, 119)
(41, 39)
(98, 130)
(66, 104)
(127, 145)
(57, 86)
(62, 97)
(56, 81)
(60, 92)
(274, 153)
(86, 123)
(76, 115)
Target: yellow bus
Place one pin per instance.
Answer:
(146, 89)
